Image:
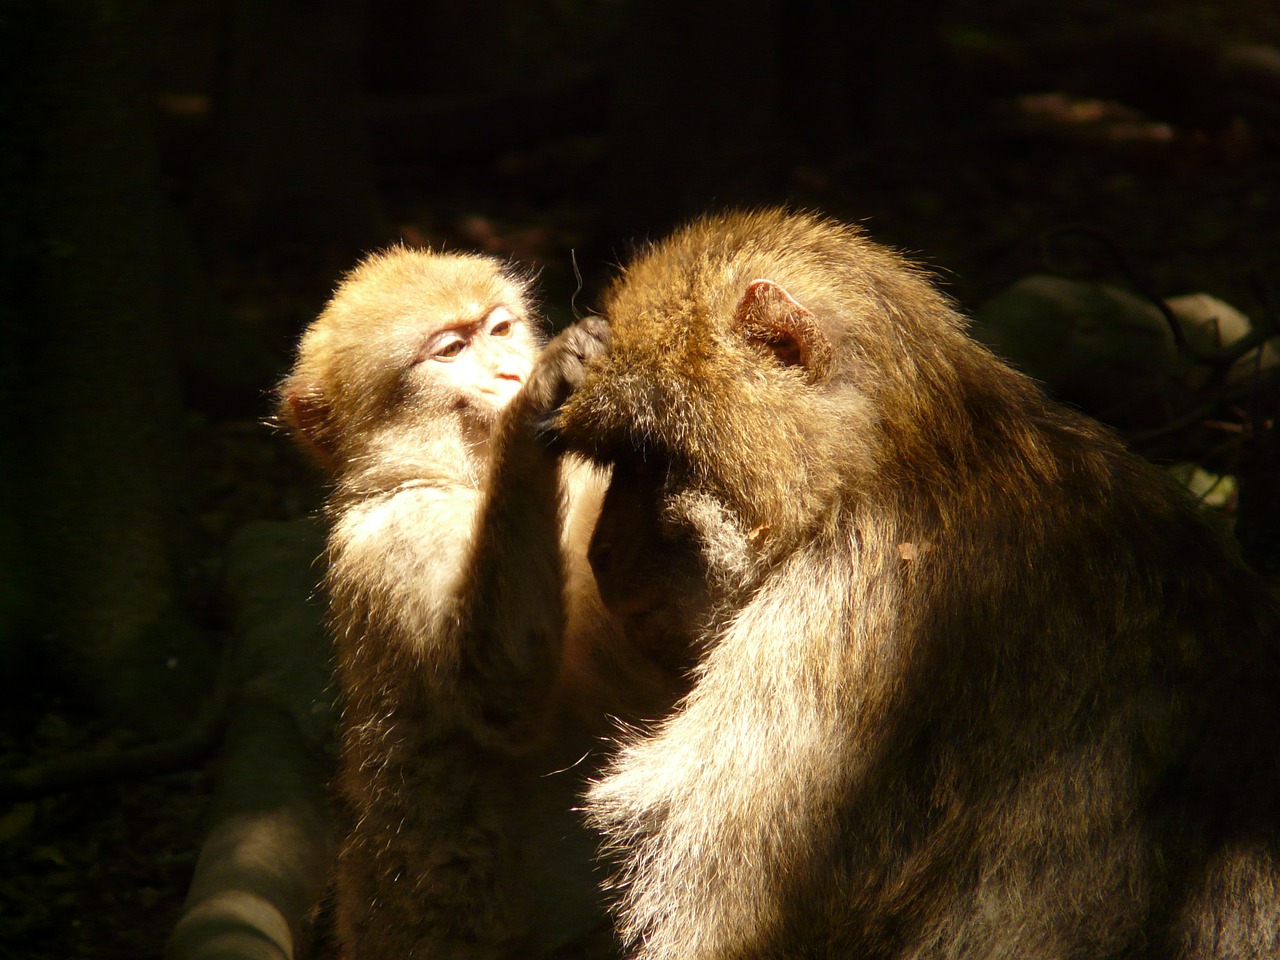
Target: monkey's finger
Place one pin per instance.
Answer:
(547, 431)
(589, 337)
(599, 328)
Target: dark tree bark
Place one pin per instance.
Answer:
(857, 72)
(293, 172)
(694, 120)
(16, 268)
(713, 99)
(99, 519)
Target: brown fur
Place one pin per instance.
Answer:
(974, 680)
(475, 660)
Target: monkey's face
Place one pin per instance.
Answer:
(411, 342)
(477, 364)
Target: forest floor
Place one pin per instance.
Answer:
(102, 872)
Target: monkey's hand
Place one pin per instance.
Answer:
(558, 372)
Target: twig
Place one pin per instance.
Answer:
(108, 766)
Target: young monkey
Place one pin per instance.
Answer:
(473, 652)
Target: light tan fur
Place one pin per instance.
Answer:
(973, 681)
(476, 663)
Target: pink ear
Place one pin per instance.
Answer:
(771, 318)
(307, 416)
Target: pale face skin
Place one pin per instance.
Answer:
(486, 360)
(490, 357)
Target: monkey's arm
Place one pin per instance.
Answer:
(748, 771)
(455, 593)
(514, 617)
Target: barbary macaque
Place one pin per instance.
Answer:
(972, 680)
(476, 664)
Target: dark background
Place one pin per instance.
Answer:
(185, 181)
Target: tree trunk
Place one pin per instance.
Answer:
(100, 516)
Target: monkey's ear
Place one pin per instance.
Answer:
(772, 319)
(306, 415)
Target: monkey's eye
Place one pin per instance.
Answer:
(501, 322)
(449, 349)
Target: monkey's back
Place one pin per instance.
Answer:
(1080, 757)
(985, 684)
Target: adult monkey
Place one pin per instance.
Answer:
(975, 681)
(476, 664)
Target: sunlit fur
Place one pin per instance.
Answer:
(476, 664)
(978, 682)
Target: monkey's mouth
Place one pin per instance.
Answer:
(503, 389)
